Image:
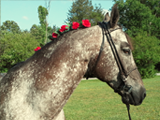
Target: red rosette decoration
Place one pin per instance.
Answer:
(54, 35)
(38, 48)
(75, 25)
(86, 23)
(68, 27)
(63, 28)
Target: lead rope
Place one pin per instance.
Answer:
(127, 104)
(128, 108)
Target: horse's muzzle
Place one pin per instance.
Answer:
(134, 98)
(130, 95)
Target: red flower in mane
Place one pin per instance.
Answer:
(54, 35)
(75, 25)
(86, 23)
(63, 28)
(38, 48)
(68, 27)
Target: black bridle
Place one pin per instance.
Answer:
(123, 73)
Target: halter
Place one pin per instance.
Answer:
(126, 89)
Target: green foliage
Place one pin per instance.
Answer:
(51, 30)
(10, 26)
(146, 53)
(17, 45)
(83, 9)
(97, 15)
(42, 12)
(154, 6)
(156, 29)
(15, 48)
(54, 28)
(38, 33)
(140, 15)
(134, 15)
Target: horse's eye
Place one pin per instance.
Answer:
(126, 51)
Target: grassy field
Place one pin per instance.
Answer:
(95, 100)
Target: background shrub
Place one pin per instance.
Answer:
(146, 54)
(15, 48)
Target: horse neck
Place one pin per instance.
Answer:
(65, 67)
(46, 80)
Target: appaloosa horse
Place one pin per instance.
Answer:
(38, 88)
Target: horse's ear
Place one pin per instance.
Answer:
(114, 16)
(107, 18)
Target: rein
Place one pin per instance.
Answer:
(126, 88)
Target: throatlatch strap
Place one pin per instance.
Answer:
(101, 48)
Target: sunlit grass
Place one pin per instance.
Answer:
(95, 100)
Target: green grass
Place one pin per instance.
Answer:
(95, 100)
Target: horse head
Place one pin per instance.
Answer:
(115, 64)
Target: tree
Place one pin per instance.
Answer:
(146, 53)
(14, 48)
(47, 28)
(51, 29)
(83, 9)
(139, 15)
(54, 28)
(42, 13)
(96, 15)
(38, 33)
(10, 26)
(154, 6)
(25, 31)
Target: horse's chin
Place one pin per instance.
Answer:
(126, 102)
(131, 100)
